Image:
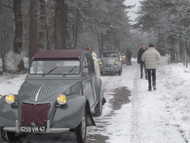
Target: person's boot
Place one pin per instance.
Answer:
(154, 87)
(141, 76)
(146, 77)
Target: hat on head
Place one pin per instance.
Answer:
(151, 45)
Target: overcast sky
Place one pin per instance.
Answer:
(133, 11)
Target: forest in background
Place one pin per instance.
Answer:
(167, 23)
(27, 26)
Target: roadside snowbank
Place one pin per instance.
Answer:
(10, 84)
(176, 83)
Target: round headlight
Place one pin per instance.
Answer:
(62, 99)
(116, 62)
(10, 99)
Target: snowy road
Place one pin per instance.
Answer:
(134, 115)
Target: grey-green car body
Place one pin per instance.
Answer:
(84, 92)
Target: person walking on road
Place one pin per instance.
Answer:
(151, 58)
(128, 56)
(140, 62)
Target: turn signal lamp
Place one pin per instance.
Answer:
(116, 62)
(99, 62)
(62, 99)
(10, 99)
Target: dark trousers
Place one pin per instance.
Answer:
(129, 61)
(151, 73)
(143, 70)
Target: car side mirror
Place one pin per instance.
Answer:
(85, 71)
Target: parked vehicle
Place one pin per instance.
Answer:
(123, 58)
(61, 93)
(111, 62)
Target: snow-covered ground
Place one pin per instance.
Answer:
(161, 116)
(10, 84)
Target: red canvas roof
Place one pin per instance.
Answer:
(59, 54)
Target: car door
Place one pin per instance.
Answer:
(96, 78)
(88, 86)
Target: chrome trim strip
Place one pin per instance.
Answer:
(37, 94)
(10, 129)
(48, 130)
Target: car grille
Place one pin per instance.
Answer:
(34, 114)
(108, 65)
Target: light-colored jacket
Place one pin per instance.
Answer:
(151, 58)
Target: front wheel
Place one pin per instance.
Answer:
(98, 109)
(81, 130)
(10, 137)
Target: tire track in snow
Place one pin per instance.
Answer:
(135, 135)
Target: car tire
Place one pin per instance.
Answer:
(81, 130)
(10, 137)
(98, 109)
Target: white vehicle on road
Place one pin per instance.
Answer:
(111, 63)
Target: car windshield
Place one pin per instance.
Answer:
(55, 67)
(110, 54)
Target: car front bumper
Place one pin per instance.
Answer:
(48, 130)
(111, 69)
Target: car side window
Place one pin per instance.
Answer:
(85, 66)
(90, 62)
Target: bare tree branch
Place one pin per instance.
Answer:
(6, 5)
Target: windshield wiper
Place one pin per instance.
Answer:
(50, 71)
(72, 69)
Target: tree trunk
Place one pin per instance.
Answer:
(3, 50)
(60, 24)
(186, 54)
(101, 42)
(50, 24)
(42, 30)
(76, 28)
(3, 60)
(17, 8)
(33, 29)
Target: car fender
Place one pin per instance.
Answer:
(101, 92)
(70, 116)
(90, 120)
(8, 115)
